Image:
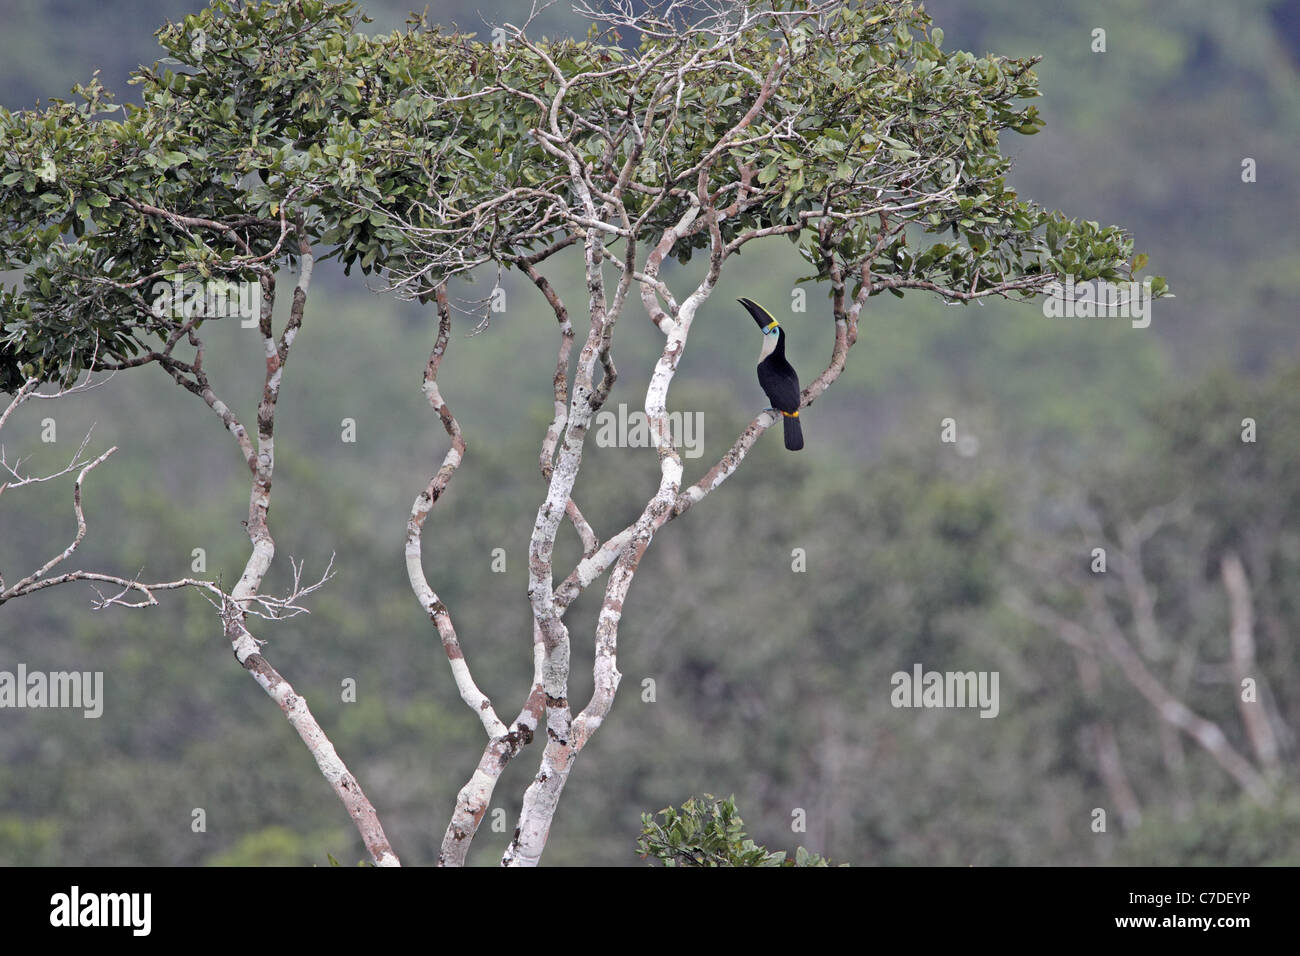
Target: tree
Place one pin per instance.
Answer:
(1167, 572)
(687, 132)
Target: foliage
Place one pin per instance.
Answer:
(90, 204)
(422, 154)
(710, 832)
(871, 120)
(273, 846)
(1235, 832)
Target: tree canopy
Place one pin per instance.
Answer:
(418, 155)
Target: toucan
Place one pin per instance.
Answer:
(777, 376)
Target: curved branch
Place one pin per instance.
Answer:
(474, 698)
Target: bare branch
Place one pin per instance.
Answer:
(1241, 642)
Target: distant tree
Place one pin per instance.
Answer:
(1166, 576)
(690, 130)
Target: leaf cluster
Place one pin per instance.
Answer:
(710, 832)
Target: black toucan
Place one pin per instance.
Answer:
(776, 376)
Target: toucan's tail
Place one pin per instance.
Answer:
(793, 431)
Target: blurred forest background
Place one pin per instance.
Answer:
(772, 685)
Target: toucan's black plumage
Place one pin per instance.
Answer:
(776, 375)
